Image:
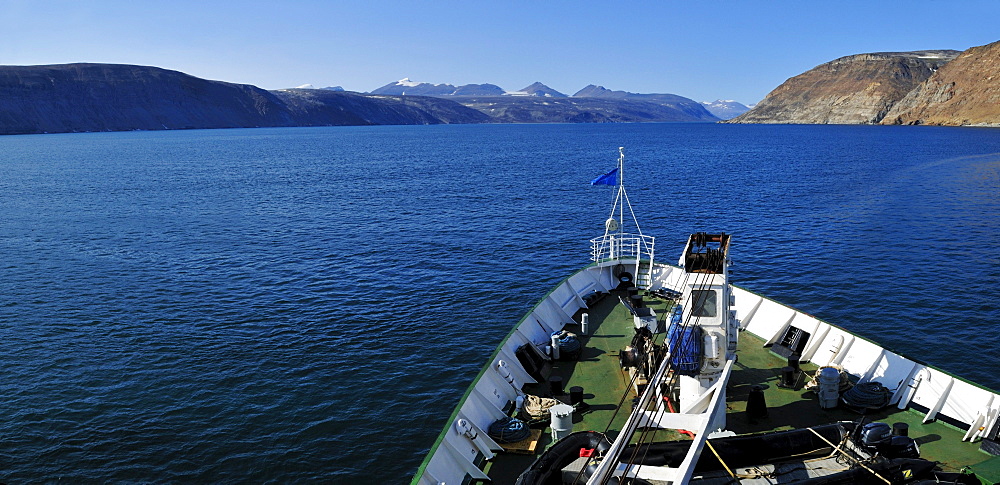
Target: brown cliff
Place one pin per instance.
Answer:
(855, 89)
(966, 91)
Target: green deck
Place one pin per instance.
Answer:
(604, 384)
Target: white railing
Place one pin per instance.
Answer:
(621, 245)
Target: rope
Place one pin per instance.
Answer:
(871, 395)
(724, 465)
(509, 430)
(536, 409)
(569, 344)
(836, 448)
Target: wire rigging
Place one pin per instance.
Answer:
(703, 281)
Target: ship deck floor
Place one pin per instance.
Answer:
(604, 383)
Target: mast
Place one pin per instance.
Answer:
(621, 188)
(618, 243)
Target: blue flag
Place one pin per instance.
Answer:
(610, 178)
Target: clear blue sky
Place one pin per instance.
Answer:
(703, 50)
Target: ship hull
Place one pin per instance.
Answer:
(927, 395)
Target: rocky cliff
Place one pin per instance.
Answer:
(110, 97)
(966, 91)
(855, 89)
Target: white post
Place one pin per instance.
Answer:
(621, 189)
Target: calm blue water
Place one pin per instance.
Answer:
(285, 305)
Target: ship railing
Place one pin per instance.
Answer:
(621, 245)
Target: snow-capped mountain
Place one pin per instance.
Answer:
(725, 109)
(405, 87)
(328, 88)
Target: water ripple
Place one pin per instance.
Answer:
(294, 305)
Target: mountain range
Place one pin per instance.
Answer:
(405, 87)
(115, 97)
(118, 97)
(725, 109)
(939, 87)
(538, 103)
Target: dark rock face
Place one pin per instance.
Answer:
(850, 90)
(406, 87)
(539, 89)
(533, 109)
(478, 90)
(316, 107)
(105, 97)
(595, 91)
(694, 110)
(539, 103)
(110, 97)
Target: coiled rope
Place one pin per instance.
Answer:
(509, 430)
(871, 395)
(569, 345)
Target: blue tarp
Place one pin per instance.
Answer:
(685, 345)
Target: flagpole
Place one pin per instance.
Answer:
(621, 188)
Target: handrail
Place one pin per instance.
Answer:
(621, 245)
